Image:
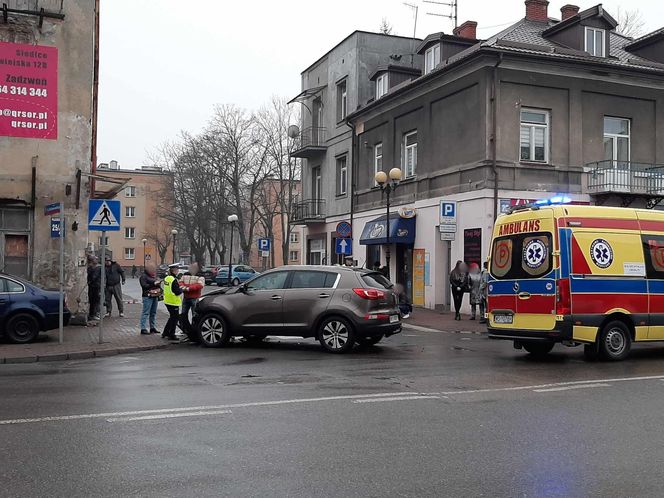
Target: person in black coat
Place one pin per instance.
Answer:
(459, 284)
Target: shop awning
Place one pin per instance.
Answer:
(402, 231)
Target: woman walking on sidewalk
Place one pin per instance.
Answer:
(172, 299)
(151, 287)
(474, 286)
(459, 283)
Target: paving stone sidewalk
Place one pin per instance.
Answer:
(444, 321)
(120, 335)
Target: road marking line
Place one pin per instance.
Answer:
(419, 328)
(326, 398)
(567, 388)
(169, 415)
(395, 398)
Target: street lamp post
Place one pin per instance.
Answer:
(145, 241)
(232, 219)
(388, 183)
(174, 233)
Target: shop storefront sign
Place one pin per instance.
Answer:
(472, 246)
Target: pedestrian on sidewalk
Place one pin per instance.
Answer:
(172, 299)
(194, 287)
(484, 289)
(459, 283)
(115, 279)
(94, 288)
(474, 284)
(134, 270)
(151, 287)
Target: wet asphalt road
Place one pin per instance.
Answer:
(422, 414)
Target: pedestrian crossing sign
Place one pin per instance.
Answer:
(104, 215)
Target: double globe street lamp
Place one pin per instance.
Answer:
(145, 241)
(388, 182)
(174, 233)
(232, 219)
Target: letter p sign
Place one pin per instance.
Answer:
(447, 212)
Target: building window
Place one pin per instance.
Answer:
(617, 141)
(293, 255)
(342, 175)
(130, 253)
(130, 191)
(595, 41)
(130, 212)
(342, 101)
(431, 58)
(534, 135)
(294, 239)
(410, 153)
(378, 159)
(130, 233)
(381, 85)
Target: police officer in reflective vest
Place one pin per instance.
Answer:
(172, 299)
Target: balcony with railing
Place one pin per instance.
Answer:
(625, 178)
(310, 143)
(308, 212)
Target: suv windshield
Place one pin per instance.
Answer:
(521, 256)
(377, 279)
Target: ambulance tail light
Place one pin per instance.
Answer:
(563, 301)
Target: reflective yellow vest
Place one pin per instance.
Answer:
(169, 297)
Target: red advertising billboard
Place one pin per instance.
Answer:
(28, 91)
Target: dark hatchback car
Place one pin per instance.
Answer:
(208, 273)
(26, 309)
(339, 306)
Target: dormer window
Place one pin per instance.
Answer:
(381, 85)
(431, 58)
(595, 41)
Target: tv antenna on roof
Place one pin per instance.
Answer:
(453, 5)
(415, 9)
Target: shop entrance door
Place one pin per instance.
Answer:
(404, 274)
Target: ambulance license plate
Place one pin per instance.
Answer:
(394, 318)
(504, 319)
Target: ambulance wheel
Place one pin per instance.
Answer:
(615, 341)
(538, 348)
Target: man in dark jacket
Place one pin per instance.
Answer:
(151, 286)
(115, 279)
(94, 287)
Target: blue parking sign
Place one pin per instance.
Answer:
(263, 244)
(448, 212)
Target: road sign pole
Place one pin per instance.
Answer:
(102, 293)
(61, 320)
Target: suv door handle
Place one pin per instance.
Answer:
(322, 295)
(276, 298)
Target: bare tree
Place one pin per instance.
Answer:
(385, 27)
(630, 22)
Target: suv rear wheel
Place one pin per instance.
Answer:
(336, 335)
(214, 331)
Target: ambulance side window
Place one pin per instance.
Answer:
(653, 248)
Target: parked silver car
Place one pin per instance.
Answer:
(339, 306)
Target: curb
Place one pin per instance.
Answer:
(80, 355)
(420, 328)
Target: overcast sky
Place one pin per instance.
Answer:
(166, 63)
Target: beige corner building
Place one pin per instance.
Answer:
(146, 233)
(48, 93)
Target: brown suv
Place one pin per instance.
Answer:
(338, 305)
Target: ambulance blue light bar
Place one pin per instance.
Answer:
(559, 199)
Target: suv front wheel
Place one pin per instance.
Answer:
(336, 335)
(214, 331)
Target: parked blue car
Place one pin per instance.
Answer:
(26, 309)
(241, 273)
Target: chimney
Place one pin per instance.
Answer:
(568, 11)
(467, 30)
(536, 10)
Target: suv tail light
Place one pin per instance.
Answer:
(369, 293)
(563, 301)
